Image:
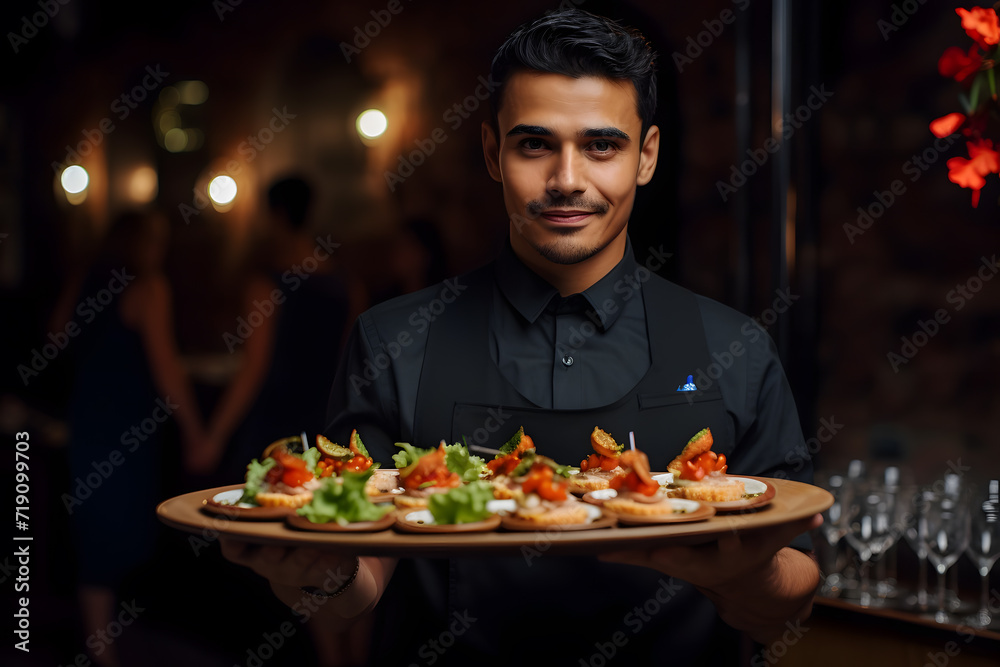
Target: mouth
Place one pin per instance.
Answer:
(565, 217)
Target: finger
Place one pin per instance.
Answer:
(634, 557)
(235, 550)
(270, 554)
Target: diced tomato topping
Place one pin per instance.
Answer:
(631, 482)
(429, 468)
(598, 462)
(695, 469)
(541, 480)
(295, 477)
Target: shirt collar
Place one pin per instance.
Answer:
(529, 294)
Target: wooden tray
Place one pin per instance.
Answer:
(792, 501)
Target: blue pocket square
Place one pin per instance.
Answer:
(689, 386)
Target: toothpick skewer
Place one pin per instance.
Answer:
(631, 439)
(484, 450)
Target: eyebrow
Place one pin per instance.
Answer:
(588, 133)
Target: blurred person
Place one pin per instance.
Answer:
(570, 140)
(296, 309)
(129, 382)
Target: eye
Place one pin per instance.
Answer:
(533, 144)
(603, 146)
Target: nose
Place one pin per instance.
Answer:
(568, 173)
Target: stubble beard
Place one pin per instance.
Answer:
(566, 249)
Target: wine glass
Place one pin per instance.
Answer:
(984, 545)
(832, 532)
(871, 530)
(956, 487)
(893, 478)
(914, 501)
(944, 531)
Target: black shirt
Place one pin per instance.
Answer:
(575, 352)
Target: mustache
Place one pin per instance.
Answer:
(536, 206)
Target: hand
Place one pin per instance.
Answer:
(733, 559)
(292, 567)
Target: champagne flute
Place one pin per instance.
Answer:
(871, 531)
(944, 531)
(984, 546)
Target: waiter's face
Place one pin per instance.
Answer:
(569, 157)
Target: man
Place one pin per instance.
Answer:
(564, 332)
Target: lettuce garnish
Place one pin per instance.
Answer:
(530, 458)
(456, 457)
(464, 504)
(256, 472)
(343, 500)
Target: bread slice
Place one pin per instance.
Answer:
(554, 514)
(292, 501)
(715, 488)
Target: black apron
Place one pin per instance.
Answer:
(586, 612)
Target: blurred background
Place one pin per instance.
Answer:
(848, 242)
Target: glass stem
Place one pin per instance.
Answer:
(922, 583)
(984, 595)
(866, 598)
(942, 575)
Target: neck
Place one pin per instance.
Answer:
(571, 278)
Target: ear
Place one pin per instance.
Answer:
(491, 151)
(647, 158)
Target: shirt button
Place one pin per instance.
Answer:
(567, 360)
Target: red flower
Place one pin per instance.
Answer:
(969, 173)
(947, 125)
(981, 25)
(957, 64)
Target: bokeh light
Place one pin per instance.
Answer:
(74, 179)
(222, 189)
(372, 123)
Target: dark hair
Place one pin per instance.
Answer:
(576, 43)
(292, 197)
